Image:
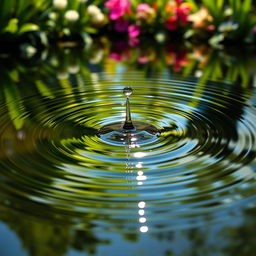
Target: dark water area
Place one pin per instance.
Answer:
(189, 191)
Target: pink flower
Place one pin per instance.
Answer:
(143, 59)
(133, 41)
(121, 25)
(114, 3)
(115, 56)
(117, 8)
(115, 13)
(133, 31)
(143, 8)
(145, 12)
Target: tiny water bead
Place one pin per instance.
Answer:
(129, 132)
(127, 91)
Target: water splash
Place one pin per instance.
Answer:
(124, 133)
(128, 125)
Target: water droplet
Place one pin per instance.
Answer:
(127, 91)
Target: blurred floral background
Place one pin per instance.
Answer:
(212, 22)
(190, 37)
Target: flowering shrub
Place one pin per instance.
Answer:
(118, 8)
(212, 21)
(178, 12)
(143, 17)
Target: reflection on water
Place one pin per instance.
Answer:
(64, 190)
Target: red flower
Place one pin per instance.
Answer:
(171, 23)
(182, 16)
(179, 12)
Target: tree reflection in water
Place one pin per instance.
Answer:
(44, 230)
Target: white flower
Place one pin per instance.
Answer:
(97, 17)
(198, 73)
(31, 51)
(54, 62)
(73, 69)
(53, 15)
(50, 23)
(62, 75)
(72, 15)
(28, 50)
(66, 31)
(160, 37)
(93, 10)
(228, 26)
(60, 4)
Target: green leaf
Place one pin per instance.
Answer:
(15, 110)
(6, 7)
(20, 6)
(44, 90)
(87, 39)
(215, 40)
(28, 27)
(43, 38)
(215, 9)
(189, 69)
(14, 75)
(246, 7)
(42, 4)
(244, 76)
(12, 26)
(194, 4)
(220, 4)
(73, 5)
(189, 33)
(91, 30)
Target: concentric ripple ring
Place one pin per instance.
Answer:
(202, 164)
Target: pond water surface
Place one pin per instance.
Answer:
(65, 191)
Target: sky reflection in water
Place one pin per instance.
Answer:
(66, 192)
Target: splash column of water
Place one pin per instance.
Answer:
(128, 125)
(127, 133)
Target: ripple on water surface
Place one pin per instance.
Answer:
(203, 162)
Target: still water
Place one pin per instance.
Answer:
(66, 191)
